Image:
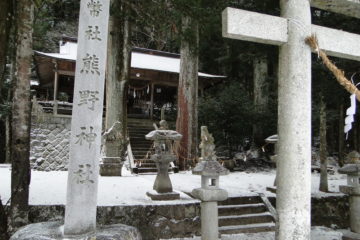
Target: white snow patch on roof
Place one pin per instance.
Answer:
(68, 51)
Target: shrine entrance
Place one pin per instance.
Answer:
(145, 100)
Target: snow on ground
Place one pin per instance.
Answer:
(317, 233)
(49, 188)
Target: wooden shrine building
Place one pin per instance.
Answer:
(152, 85)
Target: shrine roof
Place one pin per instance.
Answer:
(140, 58)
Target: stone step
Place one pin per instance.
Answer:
(134, 147)
(147, 165)
(140, 126)
(245, 219)
(241, 200)
(248, 228)
(146, 170)
(140, 144)
(141, 157)
(140, 152)
(139, 148)
(227, 210)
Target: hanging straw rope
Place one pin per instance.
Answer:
(339, 74)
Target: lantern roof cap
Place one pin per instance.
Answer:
(350, 169)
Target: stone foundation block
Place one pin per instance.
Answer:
(53, 231)
(163, 196)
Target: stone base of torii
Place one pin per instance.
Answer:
(54, 231)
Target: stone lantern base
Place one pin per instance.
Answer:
(111, 166)
(53, 231)
(163, 196)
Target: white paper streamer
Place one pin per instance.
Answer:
(350, 112)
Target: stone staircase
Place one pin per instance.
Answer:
(137, 129)
(250, 214)
(142, 148)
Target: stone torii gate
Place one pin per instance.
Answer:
(294, 89)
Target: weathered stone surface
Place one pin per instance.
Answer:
(49, 145)
(262, 28)
(53, 231)
(163, 196)
(347, 235)
(347, 7)
(332, 212)
(352, 157)
(353, 169)
(208, 195)
(182, 220)
(163, 144)
(86, 121)
(210, 168)
(153, 221)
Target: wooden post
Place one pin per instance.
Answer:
(152, 102)
(56, 85)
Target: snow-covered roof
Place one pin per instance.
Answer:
(68, 51)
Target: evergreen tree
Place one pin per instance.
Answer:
(21, 115)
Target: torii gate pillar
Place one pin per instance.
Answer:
(294, 118)
(294, 125)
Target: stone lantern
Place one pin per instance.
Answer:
(210, 192)
(273, 139)
(163, 140)
(353, 190)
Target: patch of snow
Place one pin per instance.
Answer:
(49, 188)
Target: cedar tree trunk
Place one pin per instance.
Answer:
(4, 235)
(20, 174)
(323, 143)
(118, 68)
(341, 133)
(187, 116)
(261, 95)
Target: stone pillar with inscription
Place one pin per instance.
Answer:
(86, 124)
(86, 127)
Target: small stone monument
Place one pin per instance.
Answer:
(209, 193)
(353, 190)
(163, 156)
(113, 139)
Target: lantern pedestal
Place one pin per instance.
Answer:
(210, 192)
(353, 190)
(163, 156)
